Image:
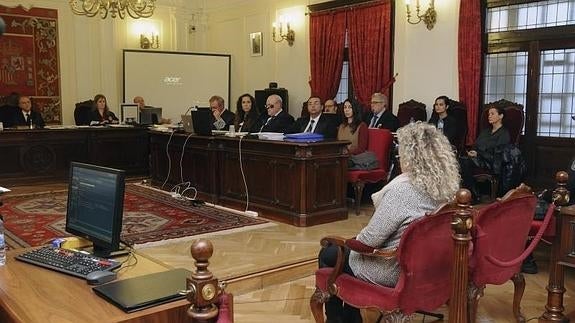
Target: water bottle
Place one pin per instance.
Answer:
(2, 243)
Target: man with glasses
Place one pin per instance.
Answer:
(316, 122)
(221, 117)
(330, 106)
(276, 119)
(380, 116)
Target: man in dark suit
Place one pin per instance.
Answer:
(276, 119)
(221, 118)
(27, 117)
(316, 122)
(380, 116)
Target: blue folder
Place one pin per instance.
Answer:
(304, 137)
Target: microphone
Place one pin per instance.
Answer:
(195, 107)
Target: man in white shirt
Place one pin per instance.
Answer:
(380, 116)
(276, 119)
(317, 122)
(27, 117)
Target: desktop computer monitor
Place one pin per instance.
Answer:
(95, 206)
(150, 115)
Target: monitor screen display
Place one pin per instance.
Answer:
(130, 113)
(95, 205)
(150, 115)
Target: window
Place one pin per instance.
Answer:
(557, 93)
(344, 85)
(531, 60)
(531, 15)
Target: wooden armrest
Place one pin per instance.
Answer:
(338, 269)
(385, 253)
(334, 240)
(366, 250)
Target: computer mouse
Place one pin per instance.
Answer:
(100, 277)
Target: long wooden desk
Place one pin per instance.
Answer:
(31, 294)
(29, 156)
(302, 184)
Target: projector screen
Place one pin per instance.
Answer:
(175, 81)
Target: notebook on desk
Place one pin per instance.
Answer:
(138, 293)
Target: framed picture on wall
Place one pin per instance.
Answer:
(256, 44)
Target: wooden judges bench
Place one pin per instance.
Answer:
(302, 184)
(29, 156)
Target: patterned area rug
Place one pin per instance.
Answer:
(151, 217)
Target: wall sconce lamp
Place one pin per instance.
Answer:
(429, 17)
(289, 35)
(146, 43)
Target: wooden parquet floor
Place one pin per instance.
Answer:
(284, 296)
(289, 302)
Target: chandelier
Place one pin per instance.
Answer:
(134, 8)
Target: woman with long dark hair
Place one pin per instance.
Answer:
(101, 112)
(352, 128)
(246, 114)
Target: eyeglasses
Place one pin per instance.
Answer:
(375, 102)
(269, 106)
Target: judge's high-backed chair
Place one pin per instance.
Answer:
(513, 121)
(380, 143)
(499, 237)
(459, 112)
(83, 113)
(427, 255)
(411, 111)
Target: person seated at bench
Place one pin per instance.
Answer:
(317, 121)
(353, 129)
(381, 116)
(27, 117)
(441, 119)
(430, 177)
(222, 118)
(276, 119)
(246, 114)
(101, 114)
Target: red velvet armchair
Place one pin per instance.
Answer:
(380, 143)
(514, 120)
(501, 230)
(426, 259)
(411, 110)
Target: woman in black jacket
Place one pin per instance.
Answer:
(443, 120)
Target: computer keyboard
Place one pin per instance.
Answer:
(66, 261)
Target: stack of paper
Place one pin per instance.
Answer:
(271, 135)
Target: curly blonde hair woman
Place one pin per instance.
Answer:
(430, 177)
(427, 157)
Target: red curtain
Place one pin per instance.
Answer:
(469, 49)
(327, 37)
(369, 32)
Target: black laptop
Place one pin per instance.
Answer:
(138, 293)
(202, 120)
